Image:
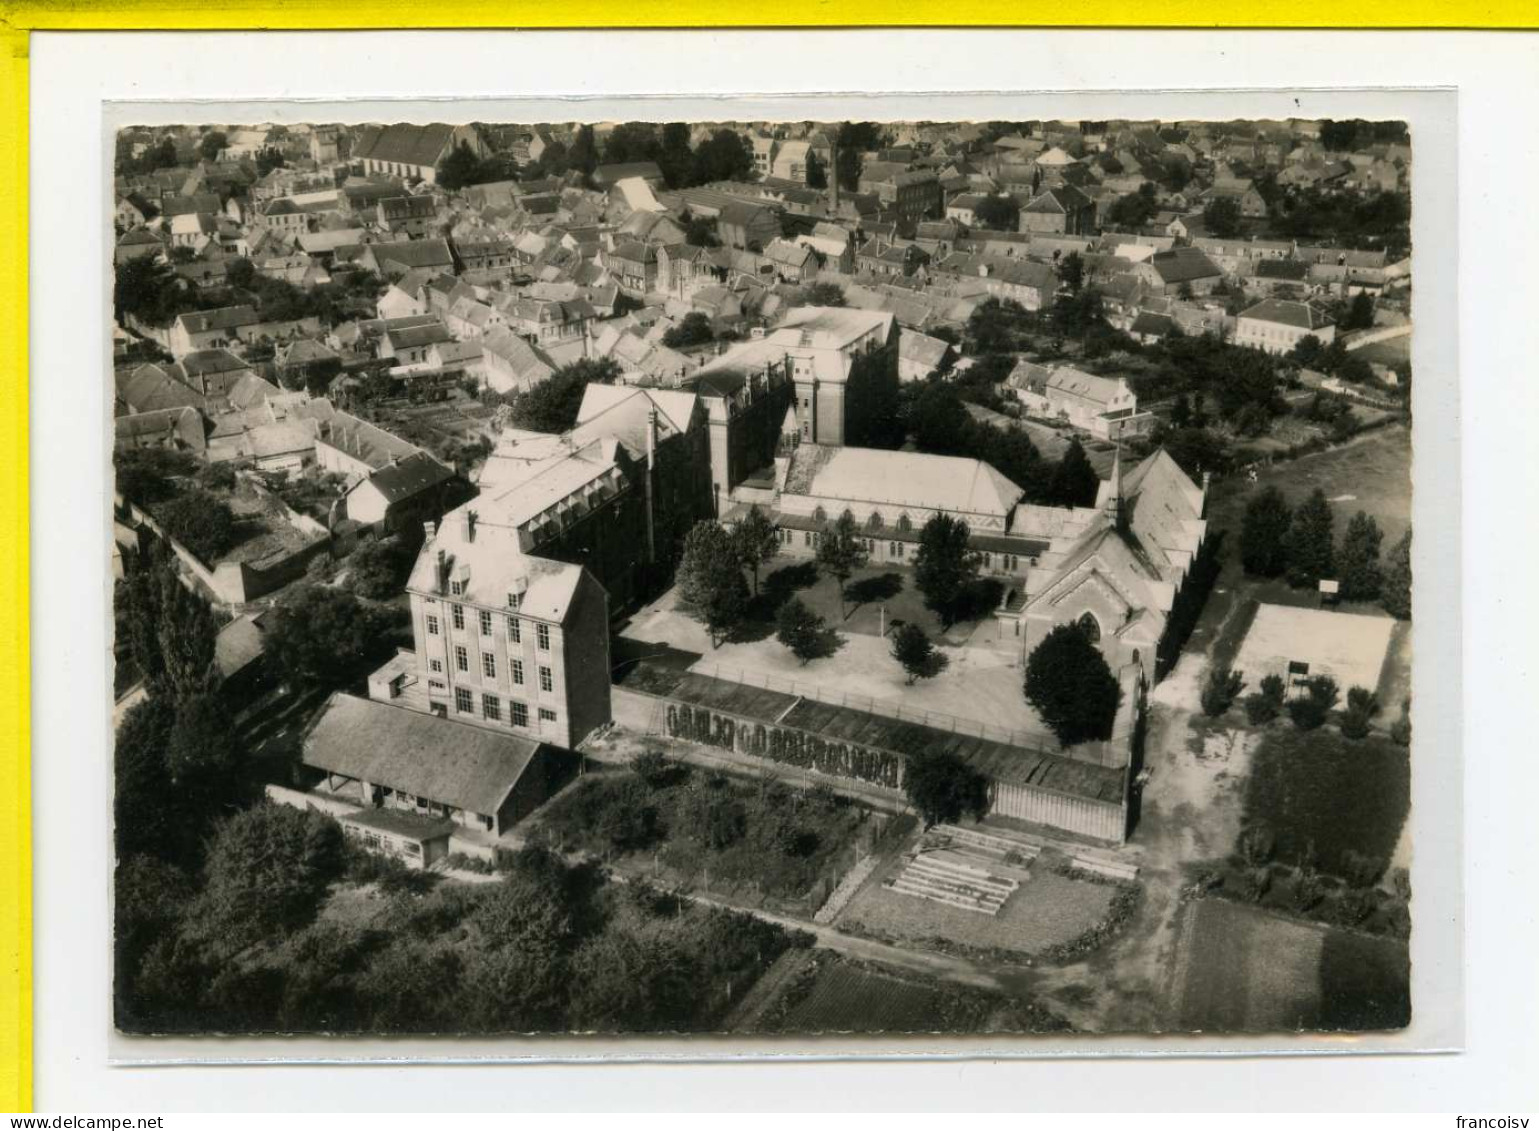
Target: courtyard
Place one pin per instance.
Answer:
(980, 688)
(1348, 647)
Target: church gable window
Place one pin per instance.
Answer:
(1090, 627)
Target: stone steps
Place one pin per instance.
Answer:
(953, 883)
(905, 887)
(953, 872)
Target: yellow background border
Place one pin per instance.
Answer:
(18, 20)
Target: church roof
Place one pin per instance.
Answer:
(901, 479)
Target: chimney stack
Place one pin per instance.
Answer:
(469, 520)
(429, 530)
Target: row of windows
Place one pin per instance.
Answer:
(515, 626)
(491, 708)
(489, 667)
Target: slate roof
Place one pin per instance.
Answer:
(1287, 313)
(407, 144)
(452, 763)
(900, 479)
(409, 477)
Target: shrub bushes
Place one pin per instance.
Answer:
(1221, 690)
(1311, 709)
(1263, 706)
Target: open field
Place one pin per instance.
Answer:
(1371, 473)
(1240, 970)
(1316, 788)
(1047, 909)
(833, 994)
(1390, 351)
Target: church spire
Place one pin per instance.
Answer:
(1113, 504)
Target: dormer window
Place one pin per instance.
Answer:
(456, 588)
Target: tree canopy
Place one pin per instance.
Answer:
(1071, 686)
(1311, 542)
(944, 566)
(804, 632)
(1264, 534)
(1357, 563)
(327, 637)
(552, 405)
(1222, 217)
(916, 654)
(710, 579)
(1001, 212)
(756, 540)
(1074, 483)
(841, 550)
(1395, 593)
(942, 787)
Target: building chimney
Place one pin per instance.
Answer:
(469, 520)
(429, 530)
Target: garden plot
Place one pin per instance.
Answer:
(1042, 909)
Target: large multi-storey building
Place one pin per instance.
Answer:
(816, 347)
(504, 639)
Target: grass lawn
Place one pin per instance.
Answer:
(1241, 970)
(753, 841)
(835, 994)
(1372, 473)
(1045, 910)
(1316, 787)
(1365, 983)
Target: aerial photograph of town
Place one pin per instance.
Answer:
(761, 578)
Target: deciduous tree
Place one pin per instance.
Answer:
(944, 565)
(804, 632)
(915, 653)
(1071, 686)
(942, 787)
(756, 540)
(552, 405)
(710, 579)
(841, 551)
